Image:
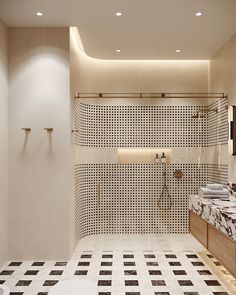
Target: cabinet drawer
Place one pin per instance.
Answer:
(198, 228)
(223, 248)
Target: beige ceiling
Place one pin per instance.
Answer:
(148, 29)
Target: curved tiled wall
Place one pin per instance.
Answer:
(129, 198)
(128, 201)
(138, 126)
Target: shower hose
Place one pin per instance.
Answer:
(164, 189)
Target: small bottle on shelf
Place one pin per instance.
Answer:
(163, 158)
(157, 159)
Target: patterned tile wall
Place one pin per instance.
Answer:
(129, 198)
(138, 126)
(129, 192)
(217, 173)
(217, 123)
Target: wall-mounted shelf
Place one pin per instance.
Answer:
(142, 155)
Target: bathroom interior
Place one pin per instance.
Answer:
(117, 147)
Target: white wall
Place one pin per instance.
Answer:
(94, 75)
(3, 144)
(223, 79)
(41, 165)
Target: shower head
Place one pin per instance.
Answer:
(198, 116)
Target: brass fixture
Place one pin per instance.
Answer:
(198, 116)
(49, 129)
(150, 95)
(165, 189)
(74, 130)
(178, 174)
(26, 129)
(201, 116)
(209, 110)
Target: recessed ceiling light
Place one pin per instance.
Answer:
(119, 13)
(198, 13)
(118, 50)
(178, 50)
(39, 13)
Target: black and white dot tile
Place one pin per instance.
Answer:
(118, 272)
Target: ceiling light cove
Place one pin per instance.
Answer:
(198, 13)
(178, 50)
(39, 13)
(119, 13)
(118, 50)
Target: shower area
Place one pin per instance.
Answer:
(120, 186)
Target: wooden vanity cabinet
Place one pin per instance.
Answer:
(220, 245)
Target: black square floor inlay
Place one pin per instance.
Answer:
(16, 293)
(81, 272)
(151, 263)
(38, 263)
(84, 263)
(212, 283)
(31, 272)
(23, 283)
(204, 272)
(185, 283)
(154, 272)
(131, 283)
(197, 263)
(2, 282)
(56, 273)
(192, 256)
(180, 272)
(105, 272)
(104, 293)
(6, 272)
(162, 293)
(128, 256)
(106, 263)
(158, 283)
(109, 256)
(191, 293)
(130, 272)
(173, 263)
(127, 263)
(42, 293)
(50, 283)
(210, 256)
(15, 263)
(86, 256)
(170, 256)
(132, 293)
(217, 263)
(220, 293)
(104, 283)
(62, 263)
(149, 256)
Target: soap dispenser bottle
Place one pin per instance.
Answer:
(163, 158)
(157, 159)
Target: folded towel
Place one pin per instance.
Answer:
(215, 197)
(215, 186)
(206, 191)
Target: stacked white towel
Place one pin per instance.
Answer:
(214, 191)
(215, 186)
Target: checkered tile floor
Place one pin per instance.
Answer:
(118, 272)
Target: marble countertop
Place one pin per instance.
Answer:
(219, 213)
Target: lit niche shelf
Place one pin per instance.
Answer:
(142, 155)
